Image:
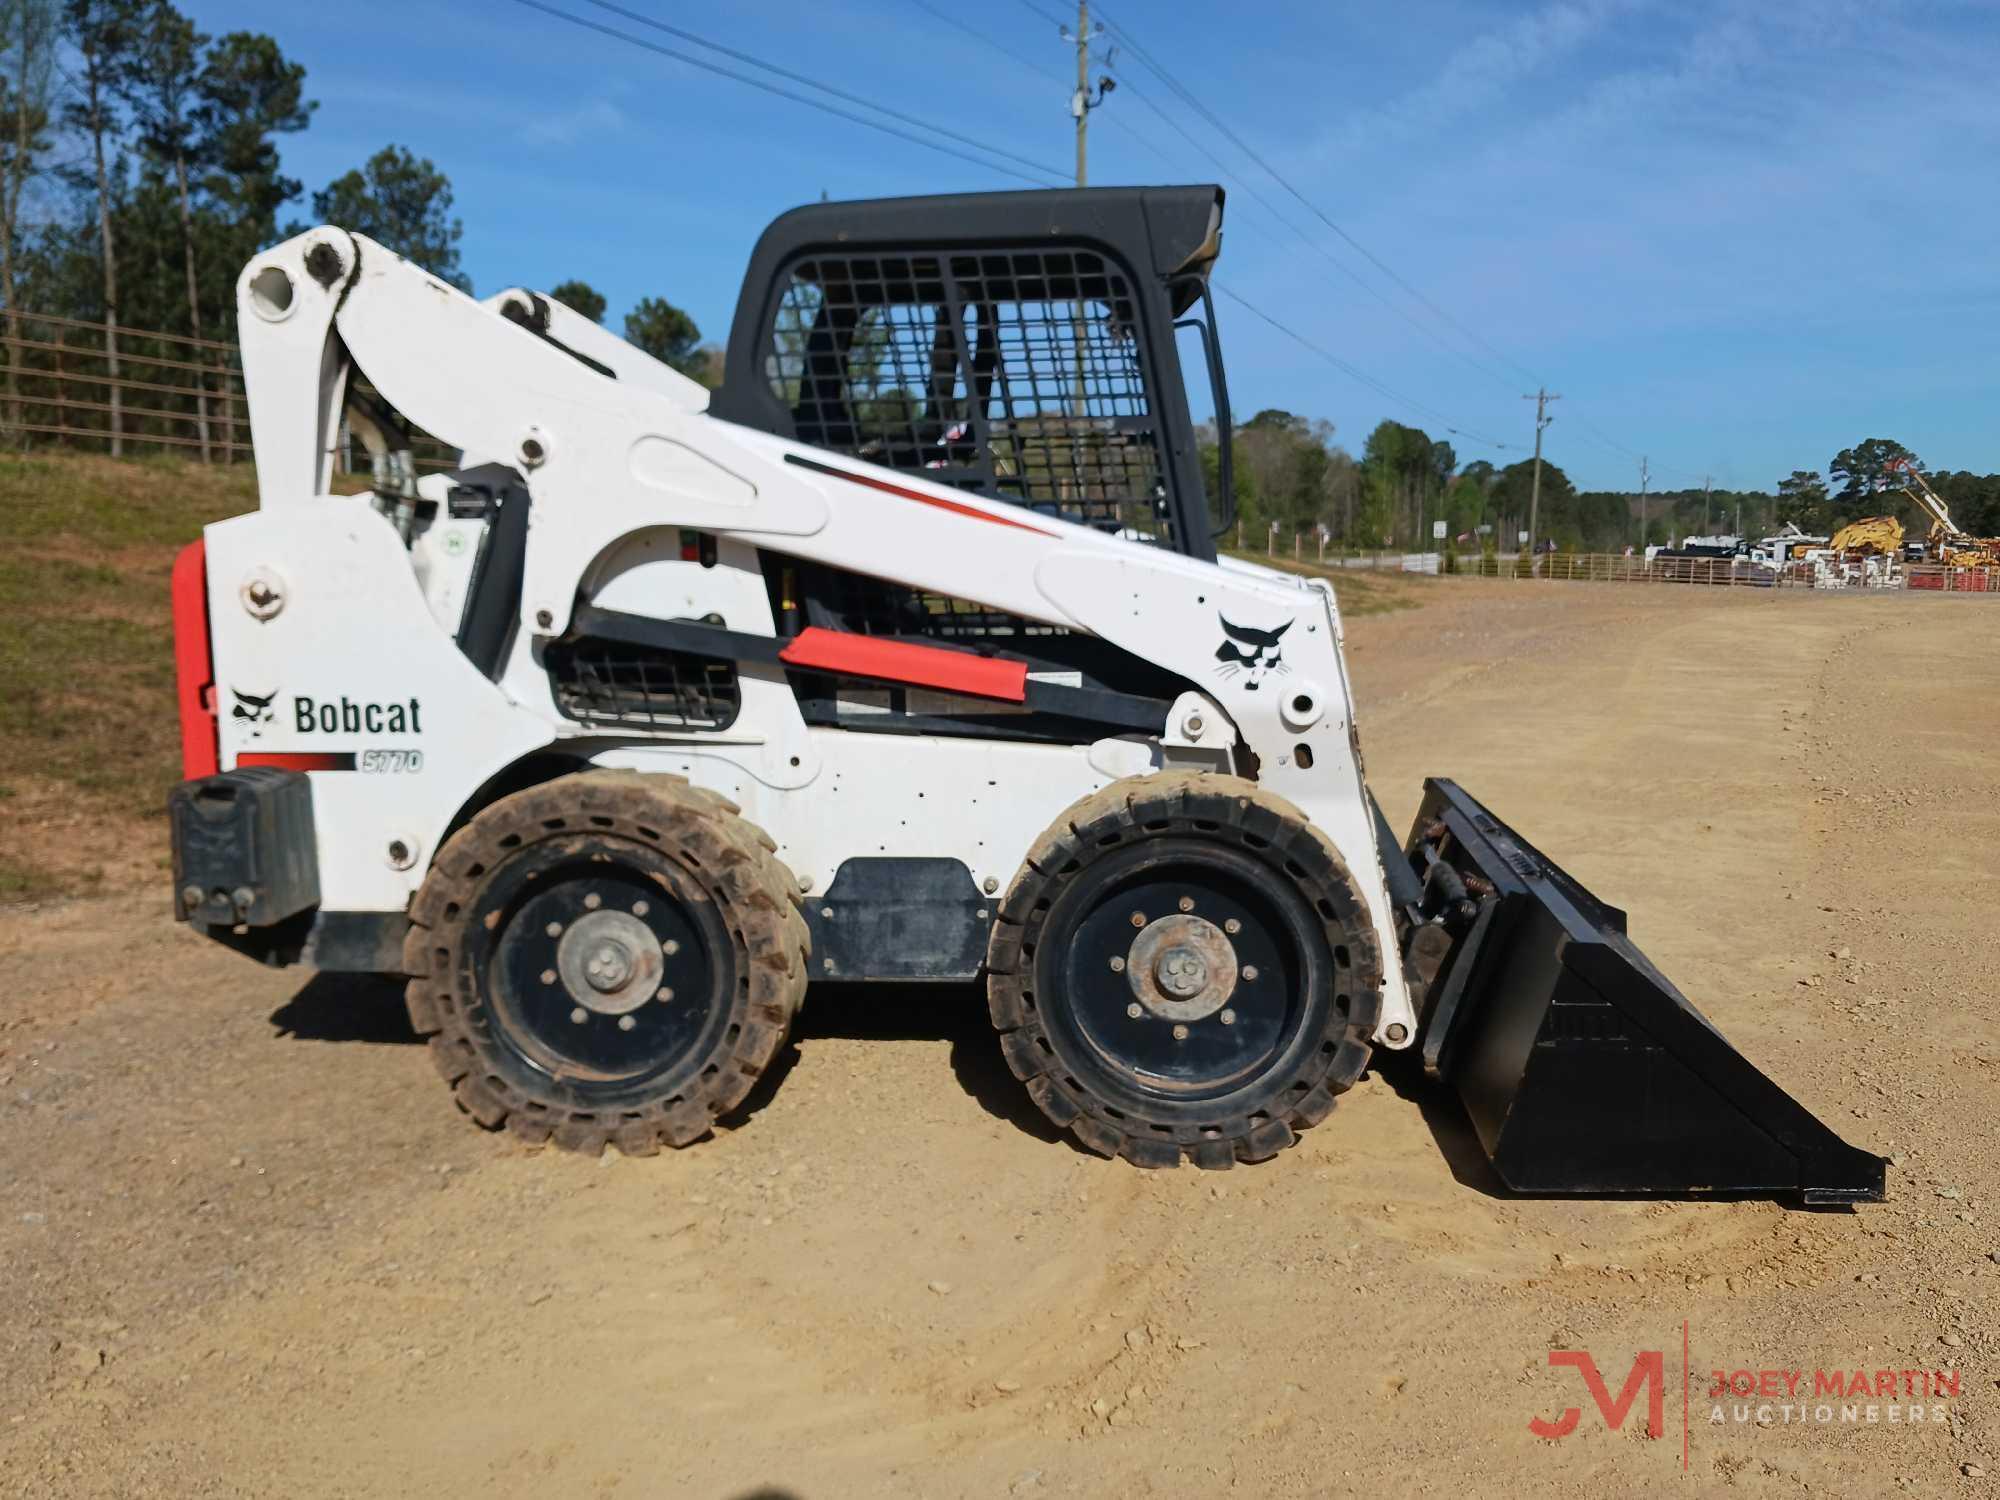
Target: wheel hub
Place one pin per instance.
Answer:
(609, 962)
(1182, 968)
(1181, 972)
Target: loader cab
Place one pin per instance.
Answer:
(1025, 346)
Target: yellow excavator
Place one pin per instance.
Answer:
(1871, 535)
(1953, 547)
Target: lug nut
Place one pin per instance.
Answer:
(554, 929)
(579, 1015)
(1249, 971)
(1180, 1033)
(1133, 1010)
(1138, 919)
(640, 908)
(191, 896)
(626, 1023)
(1232, 926)
(1228, 1017)
(1187, 903)
(665, 994)
(1117, 965)
(593, 901)
(548, 976)
(670, 947)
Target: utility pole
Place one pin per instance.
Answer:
(1643, 477)
(1082, 102)
(1707, 526)
(1080, 105)
(1541, 398)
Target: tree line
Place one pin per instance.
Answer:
(140, 169)
(1290, 476)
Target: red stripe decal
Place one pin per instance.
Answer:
(194, 672)
(299, 760)
(903, 661)
(919, 496)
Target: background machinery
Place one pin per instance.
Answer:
(1871, 536)
(1949, 545)
(905, 655)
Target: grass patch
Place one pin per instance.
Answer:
(1359, 591)
(86, 663)
(108, 504)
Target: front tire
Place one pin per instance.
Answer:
(1184, 968)
(608, 958)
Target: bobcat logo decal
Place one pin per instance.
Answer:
(252, 710)
(1253, 654)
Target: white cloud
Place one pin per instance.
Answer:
(569, 127)
(1474, 78)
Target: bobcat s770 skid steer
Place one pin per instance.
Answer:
(906, 654)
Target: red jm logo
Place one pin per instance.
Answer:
(1649, 1370)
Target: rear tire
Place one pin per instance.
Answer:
(611, 957)
(1184, 968)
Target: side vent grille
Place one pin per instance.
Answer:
(614, 684)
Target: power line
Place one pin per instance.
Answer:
(810, 82)
(1188, 97)
(1046, 74)
(1124, 82)
(1354, 372)
(1265, 203)
(1608, 441)
(1051, 179)
(1054, 20)
(1276, 176)
(980, 36)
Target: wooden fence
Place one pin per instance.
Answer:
(1613, 567)
(68, 383)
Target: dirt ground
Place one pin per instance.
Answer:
(248, 1248)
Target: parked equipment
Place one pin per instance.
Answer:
(1785, 547)
(1949, 545)
(905, 655)
(1879, 536)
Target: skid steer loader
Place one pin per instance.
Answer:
(906, 654)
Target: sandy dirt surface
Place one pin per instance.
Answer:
(248, 1248)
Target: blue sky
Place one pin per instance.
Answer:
(1736, 235)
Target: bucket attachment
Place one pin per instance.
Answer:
(1582, 1068)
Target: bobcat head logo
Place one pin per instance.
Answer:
(1253, 654)
(252, 710)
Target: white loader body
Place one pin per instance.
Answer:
(322, 611)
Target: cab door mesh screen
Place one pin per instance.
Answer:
(1018, 373)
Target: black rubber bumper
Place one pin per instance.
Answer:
(1582, 1068)
(244, 852)
(246, 872)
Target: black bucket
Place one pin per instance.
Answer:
(1582, 1068)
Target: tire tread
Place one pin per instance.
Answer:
(737, 859)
